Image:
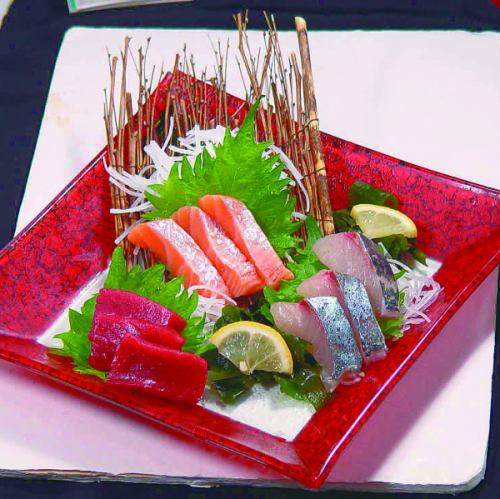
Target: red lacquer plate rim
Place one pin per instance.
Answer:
(62, 193)
(310, 477)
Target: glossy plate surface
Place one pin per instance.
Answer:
(48, 264)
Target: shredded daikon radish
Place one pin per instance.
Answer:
(159, 156)
(420, 291)
(294, 172)
(299, 215)
(210, 308)
(169, 133)
(146, 206)
(123, 188)
(214, 291)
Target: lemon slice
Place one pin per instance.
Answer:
(381, 221)
(252, 346)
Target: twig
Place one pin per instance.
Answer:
(312, 115)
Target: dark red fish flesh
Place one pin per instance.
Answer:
(158, 371)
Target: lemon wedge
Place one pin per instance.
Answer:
(252, 346)
(381, 221)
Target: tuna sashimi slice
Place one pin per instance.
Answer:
(354, 300)
(353, 254)
(238, 273)
(239, 224)
(128, 304)
(176, 249)
(158, 371)
(322, 322)
(108, 331)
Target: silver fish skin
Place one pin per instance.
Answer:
(340, 337)
(370, 335)
(390, 293)
(353, 254)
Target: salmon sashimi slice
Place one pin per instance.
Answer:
(238, 273)
(239, 224)
(176, 249)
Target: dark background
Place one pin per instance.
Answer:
(29, 42)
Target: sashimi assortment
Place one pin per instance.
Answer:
(234, 301)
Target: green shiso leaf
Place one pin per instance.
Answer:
(76, 344)
(395, 244)
(363, 193)
(391, 327)
(417, 253)
(148, 283)
(196, 336)
(238, 170)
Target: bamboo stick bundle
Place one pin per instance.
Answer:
(287, 114)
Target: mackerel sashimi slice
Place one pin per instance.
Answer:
(108, 331)
(134, 306)
(354, 300)
(238, 273)
(370, 335)
(322, 322)
(340, 337)
(323, 283)
(176, 249)
(158, 371)
(297, 319)
(239, 224)
(353, 254)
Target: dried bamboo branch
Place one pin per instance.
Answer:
(313, 125)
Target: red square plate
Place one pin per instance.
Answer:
(51, 261)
